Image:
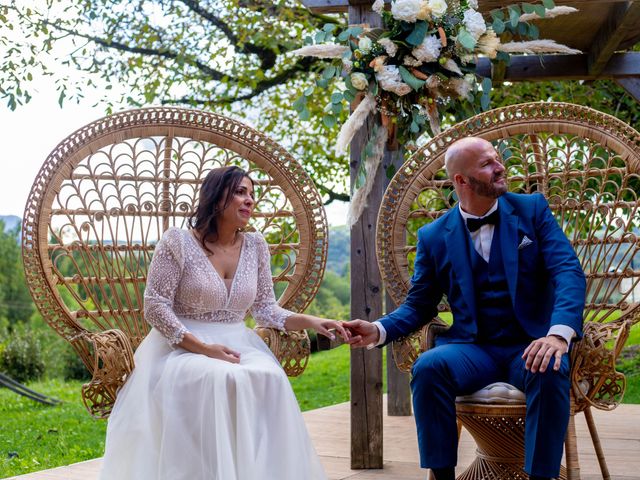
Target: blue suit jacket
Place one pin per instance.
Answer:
(546, 282)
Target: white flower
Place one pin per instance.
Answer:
(390, 80)
(451, 66)
(411, 62)
(474, 23)
(438, 7)
(428, 50)
(365, 44)
(406, 10)
(347, 65)
(378, 6)
(359, 81)
(378, 63)
(473, 4)
(390, 47)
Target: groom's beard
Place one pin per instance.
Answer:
(488, 189)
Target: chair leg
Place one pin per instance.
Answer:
(596, 444)
(571, 450)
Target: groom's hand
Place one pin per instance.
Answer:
(363, 333)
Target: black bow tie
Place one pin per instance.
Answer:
(474, 224)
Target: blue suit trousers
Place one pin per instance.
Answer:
(446, 371)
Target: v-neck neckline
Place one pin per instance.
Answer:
(235, 273)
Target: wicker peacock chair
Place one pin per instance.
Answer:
(105, 195)
(587, 164)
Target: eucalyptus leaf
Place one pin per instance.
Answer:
(410, 79)
(419, 32)
(360, 176)
(514, 15)
(485, 101)
(320, 36)
(534, 32)
(329, 27)
(322, 82)
(486, 85)
(528, 8)
(415, 128)
(498, 26)
(348, 96)
(548, 4)
(497, 14)
(300, 104)
(329, 72)
(336, 97)
(523, 28)
(466, 39)
(329, 121)
(308, 91)
(305, 114)
(540, 10)
(336, 108)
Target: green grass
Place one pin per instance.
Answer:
(36, 437)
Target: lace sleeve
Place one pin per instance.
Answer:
(163, 278)
(265, 309)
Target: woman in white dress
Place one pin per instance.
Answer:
(207, 399)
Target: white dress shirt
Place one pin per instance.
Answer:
(482, 239)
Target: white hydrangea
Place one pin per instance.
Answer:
(390, 47)
(428, 50)
(411, 61)
(473, 4)
(406, 10)
(474, 23)
(365, 44)
(438, 7)
(359, 81)
(389, 79)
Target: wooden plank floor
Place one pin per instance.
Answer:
(329, 428)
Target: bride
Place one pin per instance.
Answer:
(207, 399)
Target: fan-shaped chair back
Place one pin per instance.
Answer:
(106, 194)
(587, 164)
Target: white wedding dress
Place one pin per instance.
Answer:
(185, 416)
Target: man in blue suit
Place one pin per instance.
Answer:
(516, 291)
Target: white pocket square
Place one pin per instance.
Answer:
(526, 241)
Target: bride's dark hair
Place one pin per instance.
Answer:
(216, 193)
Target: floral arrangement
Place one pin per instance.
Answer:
(419, 64)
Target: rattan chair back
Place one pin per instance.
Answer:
(586, 163)
(106, 194)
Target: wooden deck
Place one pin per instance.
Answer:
(329, 428)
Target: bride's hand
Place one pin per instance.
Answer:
(324, 327)
(221, 352)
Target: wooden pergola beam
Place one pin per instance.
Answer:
(624, 18)
(529, 68)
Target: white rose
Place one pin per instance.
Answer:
(389, 79)
(365, 44)
(359, 81)
(474, 23)
(406, 10)
(378, 6)
(428, 50)
(438, 7)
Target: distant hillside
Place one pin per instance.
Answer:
(10, 221)
(339, 250)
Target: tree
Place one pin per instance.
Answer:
(15, 300)
(230, 56)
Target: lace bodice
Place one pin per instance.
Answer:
(181, 282)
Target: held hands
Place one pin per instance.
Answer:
(325, 327)
(539, 352)
(362, 333)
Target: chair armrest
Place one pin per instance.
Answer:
(291, 348)
(594, 379)
(407, 349)
(112, 364)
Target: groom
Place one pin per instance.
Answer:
(516, 291)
